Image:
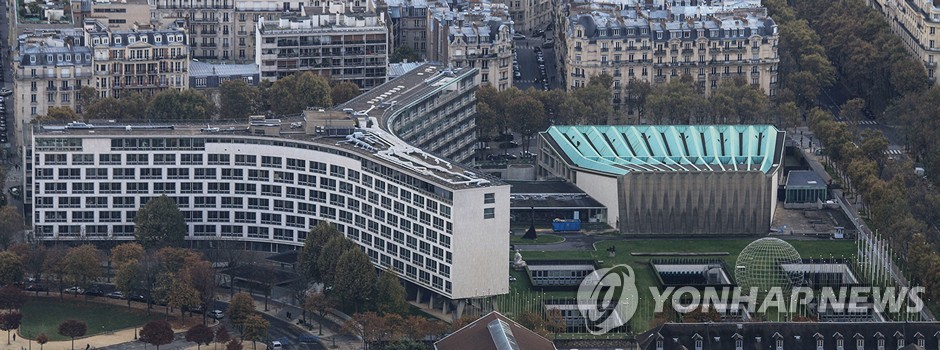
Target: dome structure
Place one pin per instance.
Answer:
(761, 265)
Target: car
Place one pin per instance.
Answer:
(538, 33)
(94, 291)
(16, 191)
(276, 345)
(138, 297)
(509, 144)
(512, 278)
(217, 314)
(518, 36)
(296, 125)
(75, 290)
(548, 43)
(193, 309)
(116, 295)
(5, 92)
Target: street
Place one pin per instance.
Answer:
(529, 65)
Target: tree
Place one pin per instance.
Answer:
(182, 293)
(329, 258)
(72, 329)
(174, 104)
(58, 114)
(11, 268)
(255, 328)
(199, 334)
(294, 93)
(355, 277)
(529, 117)
(221, 334)
(635, 94)
(157, 333)
(9, 321)
(318, 237)
(85, 97)
(42, 339)
(160, 223)
(11, 297)
(676, 102)
(238, 100)
(417, 328)
(34, 261)
(126, 252)
(82, 265)
(203, 279)
(240, 307)
(12, 223)
(344, 91)
(234, 345)
(127, 278)
(388, 295)
(320, 304)
(404, 53)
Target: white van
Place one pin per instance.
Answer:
(276, 345)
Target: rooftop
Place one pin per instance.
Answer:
(494, 332)
(396, 70)
(203, 69)
(804, 179)
(549, 194)
(620, 150)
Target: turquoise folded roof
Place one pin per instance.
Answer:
(645, 148)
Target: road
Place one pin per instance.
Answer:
(528, 63)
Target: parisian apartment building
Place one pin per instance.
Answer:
(49, 67)
(476, 35)
(664, 40)
(144, 60)
(917, 23)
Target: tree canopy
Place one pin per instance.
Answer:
(172, 104)
(294, 93)
(238, 100)
(11, 268)
(157, 333)
(160, 223)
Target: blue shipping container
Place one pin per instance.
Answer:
(566, 225)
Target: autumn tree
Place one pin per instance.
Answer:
(676, 102)
(255, 328)
(42, 339)
(240, 307)
(199, 334)
(127, 278)
(294, 93)
(12, 223)
(172, 104)
(234, 344)
(635, 94)
(10, 321)
(126, 252)
(157, 333)
(529, 118)
(58, 114)
(202, 277)
(317, 238)
(221, 334)
(72, 329)
(82, 265)
(11, 268)
(181, 293)
(34, 262)
(355, 277)
(238, 100)
(85, 97)
(130, 106)
(737, 101)
(160, 223)
(319, 304)
(388, 295)
(344, 91)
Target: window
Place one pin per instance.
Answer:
(489, 213)
(779, 344)
(489, 198)
(698, 342)
(819, 344)
(860, 343)
(840, 344)
(739, 344)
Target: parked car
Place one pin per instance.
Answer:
(36, 288)
(116, 295)
(548, 43)
(518, 36)
(138, 297)
(74, 290)
(5, 92)
(95, 292)
(510, 144)
(217, 314)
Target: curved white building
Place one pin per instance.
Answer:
(441, 226)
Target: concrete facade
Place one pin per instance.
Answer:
(676, 182)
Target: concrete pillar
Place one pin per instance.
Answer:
(418, 298)
(446, 308)
(431, 301)
(460, 306)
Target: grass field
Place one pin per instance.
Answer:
(523, 297)
(43, 315)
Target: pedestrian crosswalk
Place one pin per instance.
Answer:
(864, 122)
(894, 152)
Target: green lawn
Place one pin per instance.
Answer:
(43, 315)
(523, 297)
(543, 238)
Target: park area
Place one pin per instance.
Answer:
(43, 315)
(523, 296)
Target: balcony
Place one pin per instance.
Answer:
(659, 79)
(930, 64)
(687, 52)
(659, 53)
